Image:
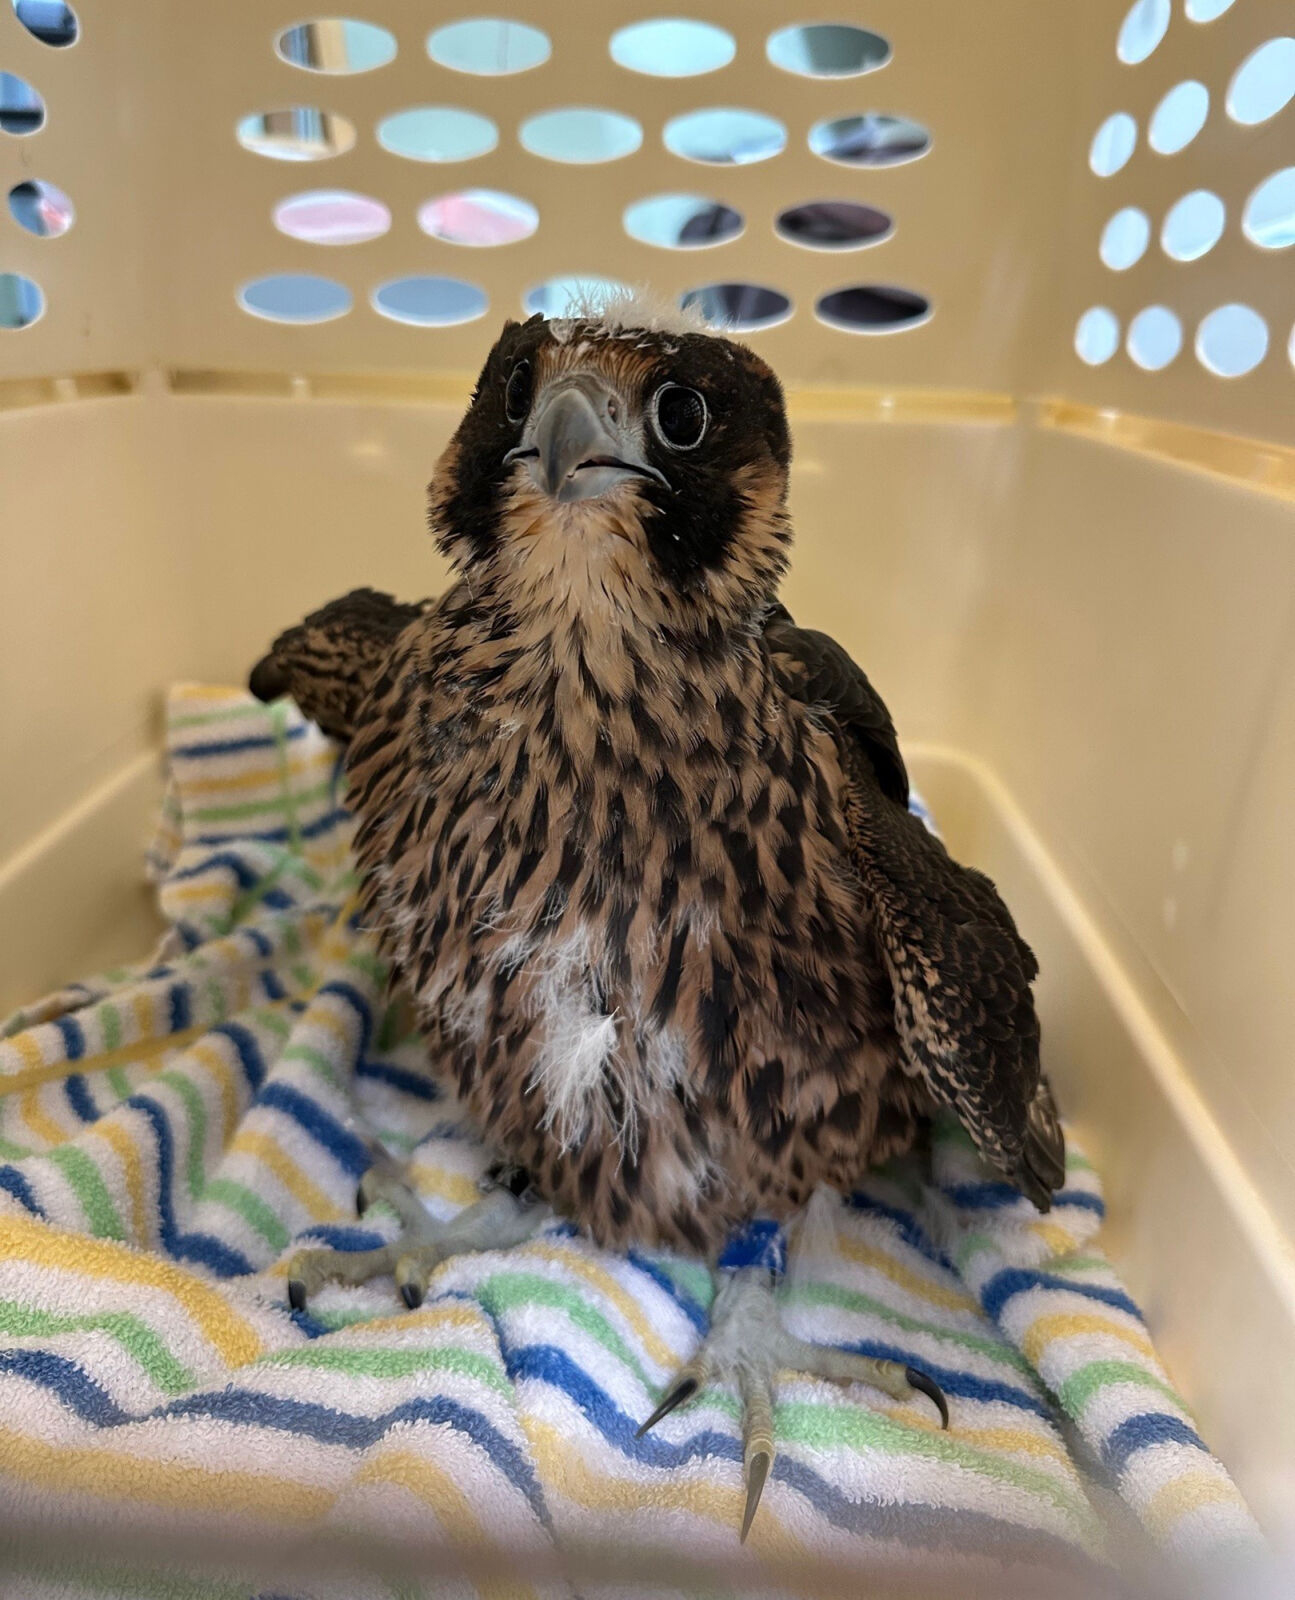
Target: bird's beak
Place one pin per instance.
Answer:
(582, 439)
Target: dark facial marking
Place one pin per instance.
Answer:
(714, 421)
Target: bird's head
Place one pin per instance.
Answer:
(629, 464)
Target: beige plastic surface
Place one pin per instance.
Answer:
(1076, 587)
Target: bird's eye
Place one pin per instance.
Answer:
(679, 416)
(517, 396)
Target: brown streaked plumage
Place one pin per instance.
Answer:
(639, 846)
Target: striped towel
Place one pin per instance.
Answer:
(170, 1133)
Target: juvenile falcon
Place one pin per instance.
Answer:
(639, 846)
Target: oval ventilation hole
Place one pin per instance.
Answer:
(1144, 26)
(834, 225)
(490, 47)
(336, 44)
(827, 50)
(41, 208)
(871, 140)
(21, 301)
(1269, 219)
(1125, 238)
(672, 47)
(1264, 83)
(296, 133)
(332, 216)
(1178, 118)
(681, 221)
(572, 297)
(872, 308)
(1206, 10)
(1232, 341)
(437, 133)
(430, 302)
(1155, 338)
(738, 307)
(1113, 144)
(1097, 336)
(725, 137)
(581, 135)
(295, 297)
(50, 21)
(1193, 226)
(480, 217)
(21, 109)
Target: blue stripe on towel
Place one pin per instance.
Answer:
(1016, 1280)
(1147, 1428)
(956, 1382)
(181, 1013)
(991, 1196)
(906, 1225)
(251, 1408)
(308, 830)
(203, 1248)
(330, 1425)
(419, 1084)
(15, 1183)
(65, 1379)
(925, 1526)
(244, 876)
(233, 747)
(696, 1314)
(77, 1092)
(349, 1152)
(73, 1037)
(247, 1050)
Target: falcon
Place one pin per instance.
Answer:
(640, 850)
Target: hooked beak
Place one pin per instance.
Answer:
(581, 440)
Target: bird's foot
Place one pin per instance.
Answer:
(748, 1345)
(499, 1220)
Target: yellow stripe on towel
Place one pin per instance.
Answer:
(563, 1466)
(126, 1055)
(607, 1285)
(207, 1055)
(436, 1181)
(1188, 1493)
(207, 691)
(117, 1475)
(1076, 1324)
(113, 1134)
(435, 1488)
(434, 1316)
(261, 1147)
(937, 1294)
(262, 777)
(37, 1242)
(38, 1119)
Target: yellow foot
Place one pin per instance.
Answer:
(496, 1222)
(748, 1344)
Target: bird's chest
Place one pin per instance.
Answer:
(607, 920)
(546, 920)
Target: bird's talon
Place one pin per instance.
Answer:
(757, 1473)
(927, 1385)
(683, 1390)
(296, 1294)
(412, 1295)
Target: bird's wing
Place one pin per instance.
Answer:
(960, 971)
(818, 672)
(329, 662)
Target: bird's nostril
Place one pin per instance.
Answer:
(613, 408)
